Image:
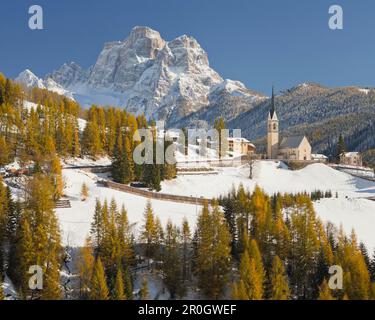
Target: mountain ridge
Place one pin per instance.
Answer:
(165, 80)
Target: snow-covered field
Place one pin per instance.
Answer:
(350, 209)
(86, 162)
(76, 221)
(272, 177)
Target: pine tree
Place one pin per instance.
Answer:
(219, 126)
(212, 251)
(149, 233)
(251, 274)
(56, 178)
(44, 228)
(340, 149)
(4, 213)
(84, 192)
(172, 269)
(127, 162)
(325, 292)
(97, 228)
(279, 281)
(144, 292)
(128, 284)
(372, 267)
(125, 239)
(25, 257)
(186, 242)
(356, 275)
(51, 285)
(4, 152)
(119, 291)
(305, 247)
(99, 289)
(86, 267)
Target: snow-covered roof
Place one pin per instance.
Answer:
(318, 156)
(351, 154)
(238, 139)
(244, 140)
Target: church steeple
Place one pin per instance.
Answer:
(272, 108)
(272, 131)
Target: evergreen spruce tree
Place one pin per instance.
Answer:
(25, 257)
(212, 251)
(56, 178)
(128, 284)
(119, 291)
(1, 291)
(251, 274)
(172, 269)
(219, 126)
(85, 268)
(4, 152)
(186, 243)
(99, 289)
(149, 233)
(97, 228)
(325, 292)
(372, 267)
(84, 192)
(144, 292)
(340, 149)
(279, 281)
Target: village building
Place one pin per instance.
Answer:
(351, 159)
(319, 157)
(290, 148)
(241, 146)
(295, 148)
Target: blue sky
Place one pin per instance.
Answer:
(259, 42)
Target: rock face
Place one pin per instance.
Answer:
(146, 74)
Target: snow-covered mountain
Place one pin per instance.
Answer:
(30, 80)
(145, 73)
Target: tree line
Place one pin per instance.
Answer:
(246, 246)
(52, 128)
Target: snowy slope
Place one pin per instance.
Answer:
(350, 209)
(76, 221)
(271, 178)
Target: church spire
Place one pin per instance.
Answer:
(272, 109)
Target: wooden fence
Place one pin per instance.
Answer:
(65, 204)
(154, 195)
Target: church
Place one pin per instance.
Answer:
(290, 148)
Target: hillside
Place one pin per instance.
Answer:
(319, 112)
(272, 177)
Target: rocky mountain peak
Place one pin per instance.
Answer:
(144, 73)
(29, 79)
(69, 74)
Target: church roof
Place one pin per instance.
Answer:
(291, 142)
(272, 109)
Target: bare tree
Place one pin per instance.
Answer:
(251, 161)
